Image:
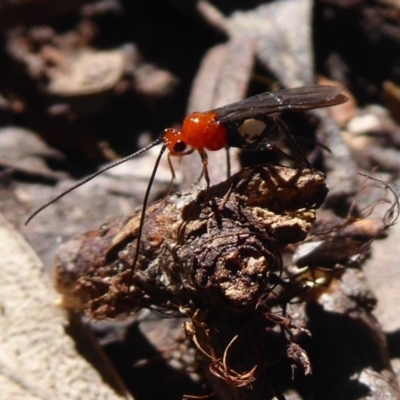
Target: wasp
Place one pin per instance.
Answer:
(249, 124)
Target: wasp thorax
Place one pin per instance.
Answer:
(202, 131)
(251, 129)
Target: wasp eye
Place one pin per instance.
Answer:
(179, 146)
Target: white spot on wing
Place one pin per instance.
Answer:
(251, 129)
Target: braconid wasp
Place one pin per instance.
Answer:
(247, 124)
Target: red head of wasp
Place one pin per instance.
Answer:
(246, 124)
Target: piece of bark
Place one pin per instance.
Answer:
(221, 261)
(204, 257)
(194, 245)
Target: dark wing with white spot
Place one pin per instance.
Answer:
(297, 99)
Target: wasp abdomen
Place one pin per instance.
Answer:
(252, 130)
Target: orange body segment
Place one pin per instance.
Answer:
(171, 137)
(203, 132)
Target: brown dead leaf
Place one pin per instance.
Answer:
(38, 360)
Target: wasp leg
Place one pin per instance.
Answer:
(203, 156)
(228, 163)
(299, 156)
(173, 176)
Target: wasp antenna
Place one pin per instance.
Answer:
(90, 177)
(143, 212)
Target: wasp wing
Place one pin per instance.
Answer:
(296, 99)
